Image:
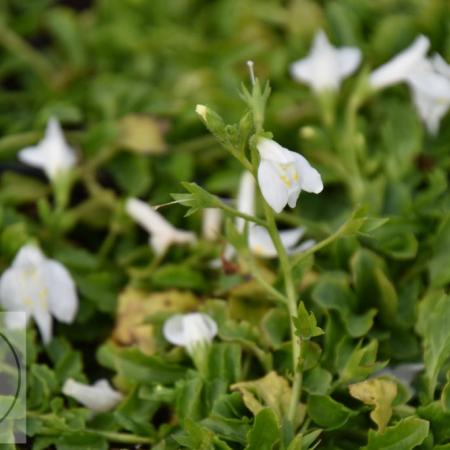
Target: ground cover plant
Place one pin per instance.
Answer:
(228, 222)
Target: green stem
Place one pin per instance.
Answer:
(291, 298)
(264, 284)
(123, 438)
(236, 213)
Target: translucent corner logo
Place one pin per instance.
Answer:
(12, 378)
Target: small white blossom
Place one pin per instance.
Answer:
(430, 85)
(261, 243)
(211, 222)
(39, 286)
(190, 330)
(326, 66)
(259, 240)
(99, 397)
(400, 67)
(283, 174)
(406, 372)
(162, 233)
(53, 155)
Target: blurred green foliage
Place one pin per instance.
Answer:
(123, 73)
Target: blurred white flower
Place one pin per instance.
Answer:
(99, 397)
(163, 234)
(406, 372)
(190, 330)
(211, 223)
(401, 66)
(430, 85)
(261, 244)
(39, 286)
(259, 240)
(245, 198)
(283, 174)
(326, 66)
(53, 155)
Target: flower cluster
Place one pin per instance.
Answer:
(428, 78)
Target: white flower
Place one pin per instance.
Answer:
(245, 198)
(430, 85)
(53, 155)
(190, 330)
(259, 240)
(261, 244)
(39, 286)
(212, 220)
(406, 372)
(326, 66)
(283, 174)
(400, 67)
(163, 234)
(99, 397)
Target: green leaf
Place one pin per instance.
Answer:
(178, 276)
(18, 189)
(439, 420)
(265, 431)
(132, 173)
(439, 264)
(405, 435)
(356, 363)
(197, 198)
(333, 292)
(434, 317)
(306, 324)
(373, 286)
(195, 437)
(134, 366)
(327, 412)
(317, 381)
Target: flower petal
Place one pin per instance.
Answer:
(189, 329)
(325, 66)
(348, 59)
(43, 319)
(302, 247)
(28, 256)
(440, 65)
(173, 330)
(211, 223)
(309, 178)
(147, 217)
(13, 289)
(15, 320)
(430, 109)
(290, 237)
(260, 242)
(272, 188)
(99, 397)
(245, 198)
(34, 156)
(270, 150)
(293, 196)
(63, 299)
(400, 66)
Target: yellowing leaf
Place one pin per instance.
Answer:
(270, 391)
(141, 134)
(135, 305)
(378, 392)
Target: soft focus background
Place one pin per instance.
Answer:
(123, 77)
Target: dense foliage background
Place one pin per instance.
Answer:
(123, 77)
